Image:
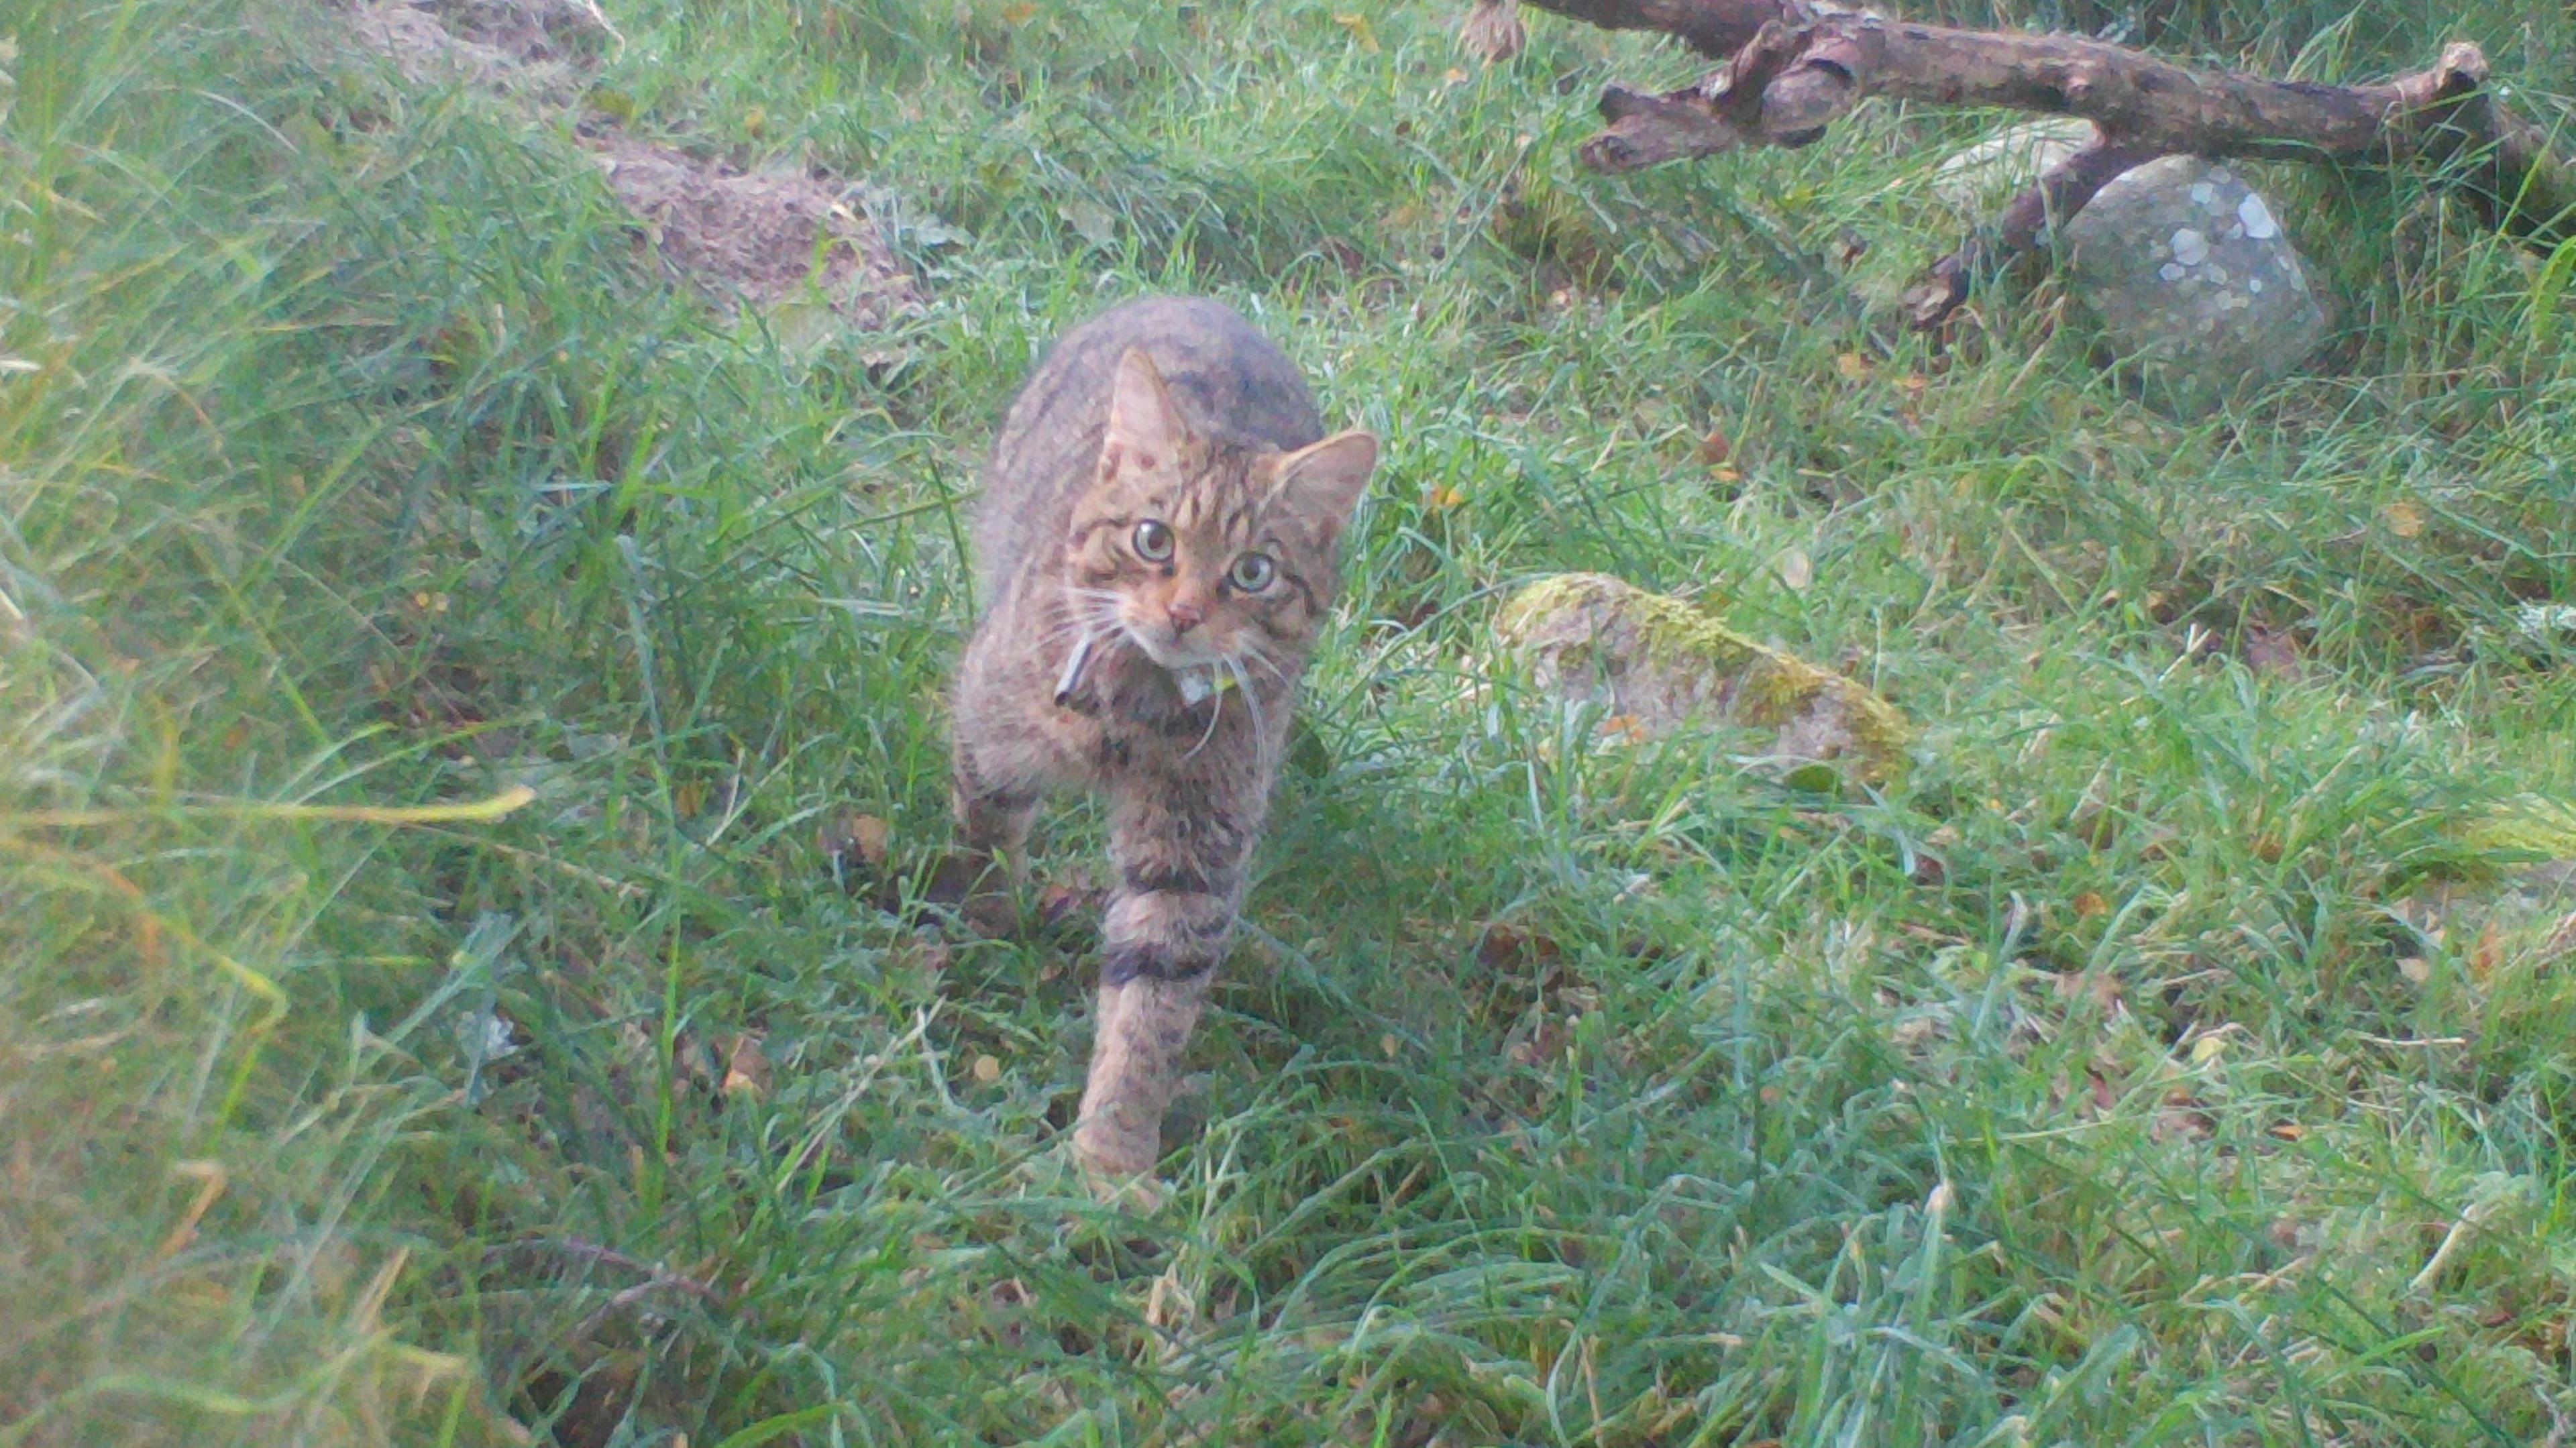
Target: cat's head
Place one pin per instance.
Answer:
(1205, 552)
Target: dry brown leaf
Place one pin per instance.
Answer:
(2103, 989)
(1508, 946)
(2269, 651)
(1716, 447)
(746, 1066)
(2090, 904)
(1541, 1046)
(856, 838)
(2403, 518)
(2487, 953)
(987, 1069)
(1493, 31)
(2180, 1123)
(1065, 899)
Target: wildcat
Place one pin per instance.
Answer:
(1158, 542)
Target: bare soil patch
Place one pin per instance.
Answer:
(743, 235)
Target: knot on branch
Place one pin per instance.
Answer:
(2463, 69)
(1802, 68)
(1649, 130)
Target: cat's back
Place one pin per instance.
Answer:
(1229, 379)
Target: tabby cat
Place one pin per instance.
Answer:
(1158, 543)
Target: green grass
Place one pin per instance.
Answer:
(1567, 1091)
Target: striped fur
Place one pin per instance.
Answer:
(1128, 645)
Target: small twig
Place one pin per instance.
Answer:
(2024, 226)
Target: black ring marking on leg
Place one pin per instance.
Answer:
(1139, 960)
(1177, 879)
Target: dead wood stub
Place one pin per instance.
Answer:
(1947, 283)
(1790, 68)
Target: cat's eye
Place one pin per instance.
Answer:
(1252, 572)
(1153, 541)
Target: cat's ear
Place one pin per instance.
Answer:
(1145, 425)
(1324, 480)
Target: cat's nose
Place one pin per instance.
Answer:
(1185, 615)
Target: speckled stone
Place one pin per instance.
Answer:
(2194, 282)
(1982, 179)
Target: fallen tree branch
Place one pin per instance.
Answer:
(1792, 67)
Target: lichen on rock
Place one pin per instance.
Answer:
(1669, 666)
(2195, 284)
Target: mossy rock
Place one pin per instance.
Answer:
(1669, 665)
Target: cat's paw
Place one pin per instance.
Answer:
(1117, 1167)
(1065, 1171)
(1142, 1194)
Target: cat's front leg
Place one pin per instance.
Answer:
(1180, 852)
(998, 761)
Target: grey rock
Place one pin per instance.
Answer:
(2194, 283)
(1982, 179)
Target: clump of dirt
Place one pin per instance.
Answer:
(533, 49)
(426, 52)
(746, 236)
(568, 31)
(759, 235)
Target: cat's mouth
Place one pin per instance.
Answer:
(1175, 657)
(1196, 673)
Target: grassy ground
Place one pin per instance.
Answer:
(2168, 1058)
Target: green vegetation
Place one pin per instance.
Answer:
(2175, 1054)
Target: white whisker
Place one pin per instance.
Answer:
(1083, 621)
(1259, 656)
(1216, 711)
(1252, 701)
